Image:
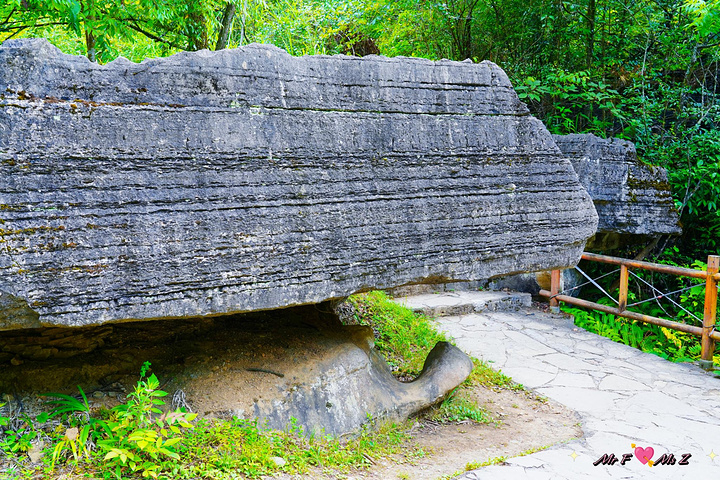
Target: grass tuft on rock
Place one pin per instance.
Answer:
(405, 338)
(402, 336)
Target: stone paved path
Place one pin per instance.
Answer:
(624, 397)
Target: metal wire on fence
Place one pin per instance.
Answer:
(707, 332)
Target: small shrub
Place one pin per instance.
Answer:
(140, 437)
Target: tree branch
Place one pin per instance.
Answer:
(8, 17)
(572, 13)
(152, 36)
(16, 32)
(708, 45)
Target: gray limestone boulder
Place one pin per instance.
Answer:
(354, 385)
(632, 199)
(210, 183)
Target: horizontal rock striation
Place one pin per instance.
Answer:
(631, 198)
(218, 182)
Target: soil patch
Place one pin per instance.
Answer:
(523, 423)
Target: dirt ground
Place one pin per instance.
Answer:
(523, 423)
(211, 360)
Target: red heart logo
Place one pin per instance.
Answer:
(644, 454)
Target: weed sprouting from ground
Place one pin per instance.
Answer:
(458, 407)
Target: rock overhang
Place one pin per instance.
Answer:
(210, 183)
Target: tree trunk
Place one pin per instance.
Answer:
(197, 28)
(90, 45)
(90, 39)
(590, 24)
(227, 22)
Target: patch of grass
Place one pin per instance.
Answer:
(474, 466)
(405, 338)
(402, 336)
(493, 461)
(485, 375)
(217, 449)
(458, 407)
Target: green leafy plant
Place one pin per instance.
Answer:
(82, 429)
(141, 437)
(17, 433)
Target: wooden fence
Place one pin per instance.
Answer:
(707, 333)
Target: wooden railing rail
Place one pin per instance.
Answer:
(707, 333)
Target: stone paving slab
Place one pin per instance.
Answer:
(463, 302)
(624, 397)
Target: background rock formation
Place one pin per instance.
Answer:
(633, 203)
(217, 182)
(632, 199)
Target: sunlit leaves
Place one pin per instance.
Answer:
(705, 15)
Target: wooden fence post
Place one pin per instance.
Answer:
(622, 297)
(709, 318)
(554, 290)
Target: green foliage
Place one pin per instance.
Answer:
(456, 408)
(571, 102)
(17, 432)
(403, 337)
(76, 438)
(141, 437)
(660, 341)
(137, 436)
(107, 28)
(705, 15)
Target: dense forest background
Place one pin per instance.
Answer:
(644, 70)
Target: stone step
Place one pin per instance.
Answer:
(443, 304)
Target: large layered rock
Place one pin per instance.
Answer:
(632, 199)
(217, 182)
